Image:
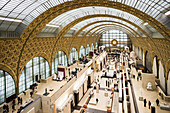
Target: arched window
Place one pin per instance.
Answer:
(148, 64)
(92, 47)
(7, 86)
(135, 49)
(141, 53)
(162, 76)
(154, 67)
(138, 52)
(59, 59)
(36, 69)
(87, 49)
(121, 39)
(82, 52)
(96, 45)
(73, 56)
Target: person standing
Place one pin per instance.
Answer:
(144, 102)
(149, 103)
(18, 99)
(97, 100)
(13, 107)
(137, 78)
(31, 93)
(21, 101)
(4, 108)
(13, 102)
(7, 108)
(157, 102)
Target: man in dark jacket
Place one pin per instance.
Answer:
(144, 102)
(157, 102)
(149, 103)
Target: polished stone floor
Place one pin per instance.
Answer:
(100, 107)
(148, 95)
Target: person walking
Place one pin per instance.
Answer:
(13, 101)
(149, 103)
(144, 102)
(157, 102)
(31, 93)
(4, 108)
(13, 107)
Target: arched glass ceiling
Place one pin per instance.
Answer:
(72, 15)
(66, 18)
(107, 28)
(29, 9)
(97, 24)
(88, 21)
(26, 10)
(115, 24)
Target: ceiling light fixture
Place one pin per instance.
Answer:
(167, 13)
(145, 23)
(10, 19)
(50, 25)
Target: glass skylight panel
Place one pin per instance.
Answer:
(21, 7)
(3, 2)
(41, 9)
(35, 13)
(30, 9)
(11, 5)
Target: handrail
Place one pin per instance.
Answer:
(29, 104)
(124, 94)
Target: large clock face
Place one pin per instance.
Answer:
(114, 42)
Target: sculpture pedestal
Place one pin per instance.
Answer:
(140, 98)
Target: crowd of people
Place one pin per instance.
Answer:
(19, 101)
(6, 106)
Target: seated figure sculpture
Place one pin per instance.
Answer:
(149, 86)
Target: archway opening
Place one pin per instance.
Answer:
(36, 69)
(148, 64)
(82, 52)
(73, 57)
(87, 49)
(7, 87)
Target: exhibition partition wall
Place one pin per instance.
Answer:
(59, 59)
